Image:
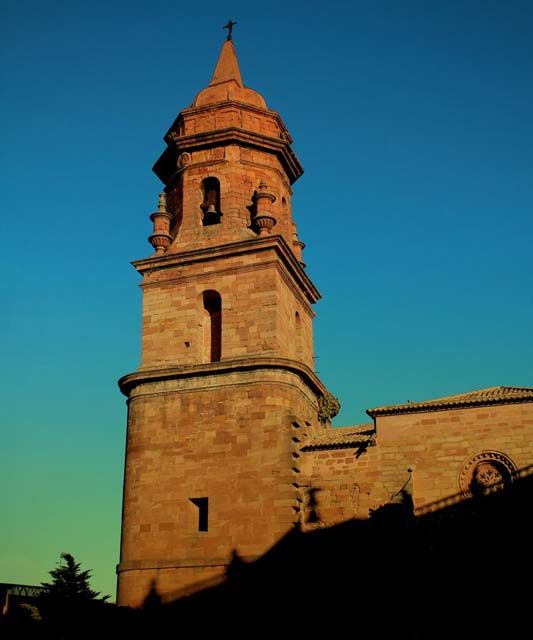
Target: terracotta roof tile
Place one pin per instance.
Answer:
(488, 396)
(341, 438)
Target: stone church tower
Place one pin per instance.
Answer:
(226, 388)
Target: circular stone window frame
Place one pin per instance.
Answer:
(467, 470)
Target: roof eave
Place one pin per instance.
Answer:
(422, 407)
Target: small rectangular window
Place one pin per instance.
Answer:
(203, 512)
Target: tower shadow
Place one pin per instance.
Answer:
(452, 570)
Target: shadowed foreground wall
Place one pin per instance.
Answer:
(457, 571)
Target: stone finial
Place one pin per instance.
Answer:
(162, 204)
(263, 219)
(161, 238)
(297, 245)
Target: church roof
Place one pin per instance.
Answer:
(226, 83)
(481, 397)
(341, 438)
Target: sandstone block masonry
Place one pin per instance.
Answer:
(217, 439)
(226, 375)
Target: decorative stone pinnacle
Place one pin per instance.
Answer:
(263, 219)
(263, 193)
(161, 237)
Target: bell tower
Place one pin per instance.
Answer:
(226, 381)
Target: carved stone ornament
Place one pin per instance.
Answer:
(486, 472)
(184, 159)
(264, 224)
(328, 407)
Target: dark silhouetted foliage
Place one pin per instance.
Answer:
(69, 608)
(70, 583)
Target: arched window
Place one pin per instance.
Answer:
(212, 325)
(210, 201)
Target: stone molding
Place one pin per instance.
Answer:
(273, 242)
(155, 564)
(165, 167)
(146, 376)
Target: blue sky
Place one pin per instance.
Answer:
(414, 124)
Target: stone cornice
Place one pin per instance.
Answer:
(128, 382)
(165, 167)
(237, 269)
(276, 243)
(245, 106)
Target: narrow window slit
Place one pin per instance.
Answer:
(203, 512)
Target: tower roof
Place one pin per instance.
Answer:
(227, 68)
(226, 112)
(227, 84)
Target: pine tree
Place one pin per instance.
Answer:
(70, 583)
(69, 608)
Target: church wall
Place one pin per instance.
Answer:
(437, 444)
(346, 485)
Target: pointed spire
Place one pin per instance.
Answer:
(227, 66)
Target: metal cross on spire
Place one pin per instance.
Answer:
(229, 27)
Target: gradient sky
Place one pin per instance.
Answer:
(414, 123)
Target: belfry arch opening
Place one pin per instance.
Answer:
(210, 206)
(212, 325)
